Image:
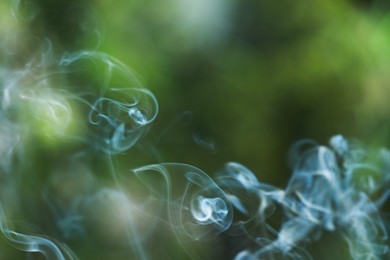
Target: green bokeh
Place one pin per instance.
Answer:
(235, 80)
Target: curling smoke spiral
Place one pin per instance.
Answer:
(97, 102)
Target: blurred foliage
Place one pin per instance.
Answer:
(237, 80)
(256, 75)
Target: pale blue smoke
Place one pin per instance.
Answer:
(209, 210)
(331, 189)
(33, 243)
(338, 188)
(196, 206)
(120, 124)
(322, 194)
(120, 110)
(115, 108)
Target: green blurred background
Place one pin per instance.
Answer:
(255, 76)
(238, 80)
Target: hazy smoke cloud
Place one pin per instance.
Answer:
(95, 102)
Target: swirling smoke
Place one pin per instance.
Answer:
(95, 107)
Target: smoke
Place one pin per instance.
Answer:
(321, 195)
(94, 107)
(331, 190)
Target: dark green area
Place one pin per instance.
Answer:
(238, 83)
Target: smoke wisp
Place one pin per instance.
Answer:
(94, 107)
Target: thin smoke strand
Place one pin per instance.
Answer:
(196, 208)
(13, 135)
(321, 195)
(327, 190)
(120, 125)
(315, 170)
(339, 203)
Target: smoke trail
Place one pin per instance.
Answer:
(196, 206)
(120, 110)
(321, 195)
(92, 98)
(330, 190)
(42, 102)
(33, 243)
(122, 122)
